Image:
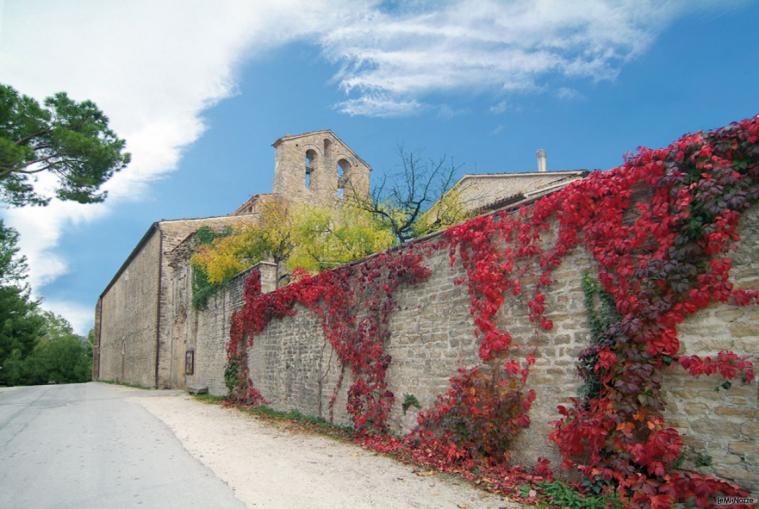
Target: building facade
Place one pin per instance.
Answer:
(147, 331)
(141, 318)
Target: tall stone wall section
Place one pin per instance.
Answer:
(432, 338)
(171, 356)
(135, 315)
(206, 331)
(127, 319)
(720, 427)
(209, 335)
(294, 366)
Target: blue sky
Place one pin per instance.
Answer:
(201, 91)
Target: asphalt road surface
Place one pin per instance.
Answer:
(88, 446)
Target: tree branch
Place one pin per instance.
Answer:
(25, 139)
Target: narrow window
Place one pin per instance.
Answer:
(327, 144)
(343, 169)
(189, 362)
(310, 159)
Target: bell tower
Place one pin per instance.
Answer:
(317, 167)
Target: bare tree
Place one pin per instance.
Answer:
(401, 200)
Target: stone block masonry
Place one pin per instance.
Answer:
(134, 313)
(720, 427)
(146, 328)
(126, 347)
(318, 168)
(206, 331)
(432, 337)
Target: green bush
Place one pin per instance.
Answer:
(59, 356)
(560, 494)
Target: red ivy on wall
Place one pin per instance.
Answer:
(659, 227)
(353, 304)
(661, 258)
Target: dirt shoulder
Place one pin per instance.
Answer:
(271, 467)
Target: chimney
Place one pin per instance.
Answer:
(542, 160)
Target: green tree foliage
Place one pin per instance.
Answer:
(20, 322)
(89, 345)
(12, 266)
(270, 239)
(66, 139)
(59, 356)
(21, 325)
(36, 346)
(447, 211)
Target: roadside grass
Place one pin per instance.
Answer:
(209, 398)
(126, 384)
(556, 493)
(291, 420)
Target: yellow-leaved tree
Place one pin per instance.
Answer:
(248, 244)
(294, 236)
(326, 238)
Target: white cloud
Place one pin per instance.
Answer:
(499, 107)
(41, 229)
(378, 105)
(488, 45)
(80, 316)
(152, 67)
(155, 66)
(568, 94)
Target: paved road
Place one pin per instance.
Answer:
(87, 446)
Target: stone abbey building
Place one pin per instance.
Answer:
(133, 315)
(148, 332)
(145, 323)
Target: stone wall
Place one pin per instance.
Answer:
(295, 367)
(432, 337)
(720, 427)
(171, 354)
(206, 331)
(134, 314)
(127, 346)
